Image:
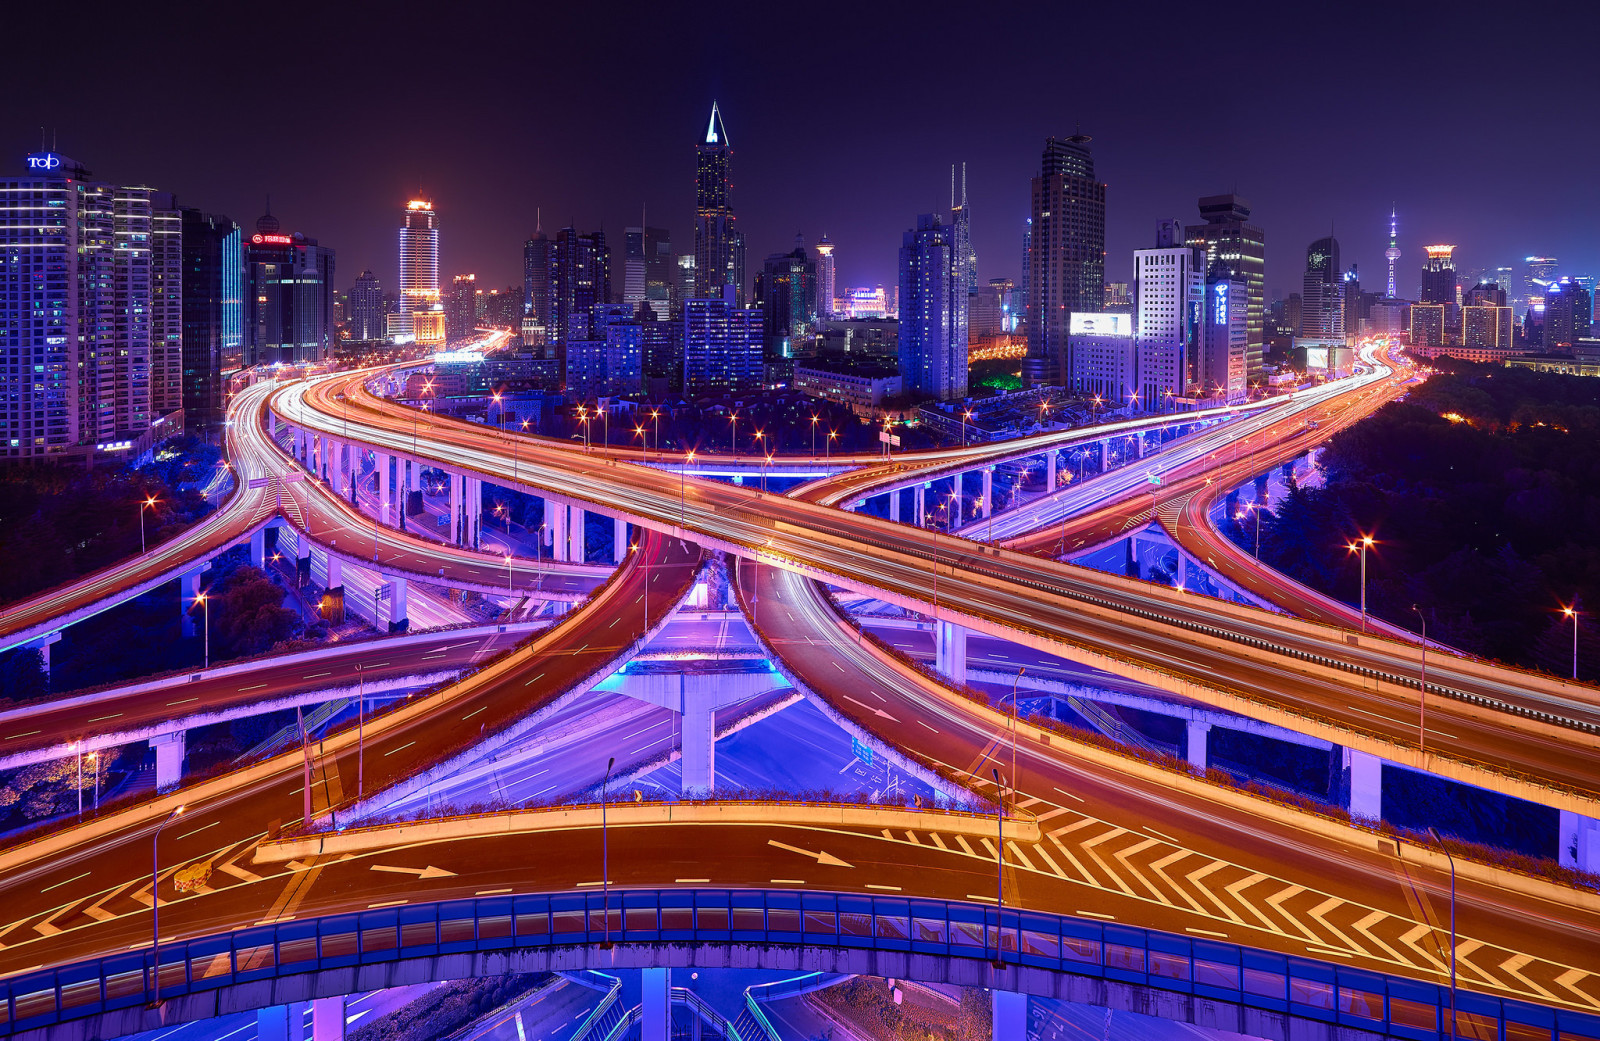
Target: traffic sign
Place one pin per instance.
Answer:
(861, 751)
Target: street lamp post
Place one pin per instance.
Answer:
(1572, 613)
(833, 435)
(605, 856)
(683, 490)
(999, 862)
(148, 503)
(814, 419)
(1444, 849)
(361, 730)
(655, 419)
(733, 436)
(79, 749)
(964, 417)
(155, 909)
(94, 766)
(1422, 688)
(205, 608)
(1362, 547)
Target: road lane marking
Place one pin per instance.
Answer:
(392, 751)
(28, 734)
(386, 903)
(257, 686)
(197, 831)
(887, 889)
(58, 885)
(315, 675)
(689, 881)
(98, 719)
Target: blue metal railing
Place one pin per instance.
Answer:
(1209, 969)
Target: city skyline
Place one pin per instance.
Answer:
(863, 179)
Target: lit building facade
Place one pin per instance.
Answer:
(420, 317)
(1427, 325)
(1568, 314)
(786, 288)
(460, 308)
(580, 281)
(365, 313)
(648, 269)
(721, 345)
(718, 243)
(826, 285)
(933, 311)
(288, 297)
(213, 314)
(1066, 255)
(1240, 248)
(1439, 276)
(1104, 361)
(1169, 289)
(611, 362)
(1322, 293)
(1224, 339)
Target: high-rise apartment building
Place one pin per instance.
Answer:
(1568, 314)
(90, 324)
(461, 308)
(1170, 281)
(826, 285)
(580, 281)
(648, 269)
(1105, 364)
(718, 244)
(213, 314)
(961, 224)
(421, 314)
(538, 257)
(933, 311)
(786, 288)
(721, 345)
(1224, 338)
(1066, 254)
(365, 312)
(611, 362)
(1439, 276)
(1486, 320)
(1322, 292)
(288, 283)
(1239, 247)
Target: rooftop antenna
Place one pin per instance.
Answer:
(41, 139)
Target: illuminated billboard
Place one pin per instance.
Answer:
(1102, 323)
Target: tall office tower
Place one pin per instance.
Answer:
(1170, 280)
(1067, 257)
(787, 292)
(1224, 337)
(124, 383)
(580, 279)
(961, 221)
(538, 258)
(610, 362)
(825, 280)
(1392, 254)
(1568, 314)
(460, 308)
(1322, 292)
(683, 283)
(213, 314)
(1105, 364)
(721, 345)
(1228, 238)
(1439, 276)
(648, 269)
(288, 297)
(1541, 271)
(421, 314)
(166, 304)
(718, 245)
(1353, 312)
(1486, 321)
(933, 311)
(658, 342)
(989, 309)
(365, 312)
(1020, 296)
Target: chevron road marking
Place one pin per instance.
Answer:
(1283, 896)
(1236, 890)
(1569, 980)
(1092, 848)
(1067, 853)
(1160, 868)
(1194, 878)
(1513, 966)
(1139, 847)
(1464, 951)
(1417, 932)
(1045, 856)
(47, 926)
(1364, 927)
(1320, 913)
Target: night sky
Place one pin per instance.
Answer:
(1478, 122)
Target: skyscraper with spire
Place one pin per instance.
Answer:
(1393, 252)
(966, 260)
(825, 283)
(718, 245)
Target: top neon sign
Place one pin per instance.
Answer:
(44, 161)
(272, 240)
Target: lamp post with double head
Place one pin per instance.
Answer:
(155, 908)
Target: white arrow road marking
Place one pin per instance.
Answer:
(423, 872)
(823, 857)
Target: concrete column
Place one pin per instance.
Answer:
(950, 647)
(576, 530)
(385, 490)
(954, 508)
(1010, 1015)
(398, 619)
(919, 503)
(1186, 568)
(894, 506)
(1050, 471)
(1365, 773)
(474, 511)
(169, 759)
(334, 572)
(619, 540)
(1138, 446)
(988, 491)
(272, 1023)
(258, 548)
(413, 475)
(555, 515)
(457, 490)
(44, 643)
(699, 723)
(1194, 748)
(655, 1004)
(1579, 842)
(327, 1019)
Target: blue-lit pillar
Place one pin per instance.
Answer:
(169, 759)
(1365, 780)
(894, 505)
(1194, 748)
(1579, 842)
(655, 1004)
(272, 1024)
(1010, 1015)
(327, 1019)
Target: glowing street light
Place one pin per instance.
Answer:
(155, 909)
(149, 503)
(205, 607)
(1362, 547)
(1572, 613)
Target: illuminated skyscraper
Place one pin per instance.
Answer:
(460, 315)
(580, 280)
(647, 269)
(213, 313)
(1439, 276)
(1393, 252)
(288, 296)
(721, 346)
(421, 314)
(1568, 314)
(825, 279)
(538, 255)
(1067, 255)
(787, 292)
(1171, 291)
(718, 245)
(1239, 247)
(1322, 292)
(933, 311)
(961, 221)
(366, 308)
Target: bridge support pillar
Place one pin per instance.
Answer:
(43, 645)
(894, 506)
(987, 505)
(619, 540)
(576, 530)
(919, 504)
(188, 589)
(169, 759)
(555, 518)
(1010, 1015)
(385, 490)
(1138, 445)
(1579, 842)
(1049, 471)
(272, 1023)
(950, 649)
(474, 504)
(655, 1004)
(327, 1019)
(258, 548)
(954, 507)
(398, 619)
(699, 750)
(1194, 748)
(1364, 773)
